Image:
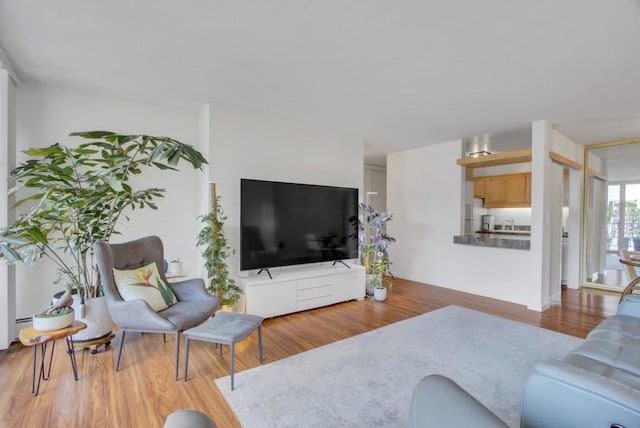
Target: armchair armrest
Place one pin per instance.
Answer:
(190, 289)
(137, 315)
(561, 394)
(440, 402)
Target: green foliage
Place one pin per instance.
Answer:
(215, 250)
(56, 312)
(76, 196)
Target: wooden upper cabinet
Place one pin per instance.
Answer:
(495, 190)
(478, 187)
(515, 189)
(504, 191)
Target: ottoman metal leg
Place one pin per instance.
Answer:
(177, 352)
(186, 356)
(233, 359)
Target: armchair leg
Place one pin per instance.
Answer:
(177, 352)
(120, 350)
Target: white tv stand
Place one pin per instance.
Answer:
(299, 288)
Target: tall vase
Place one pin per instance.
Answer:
(373, 280)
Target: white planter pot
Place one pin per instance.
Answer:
(380, 294)
(95, 315)
(174, 267)
(53, 323)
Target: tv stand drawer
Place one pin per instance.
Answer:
(314, 292)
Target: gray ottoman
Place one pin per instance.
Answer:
(225, 328)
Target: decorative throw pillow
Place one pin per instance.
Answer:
(144, 283)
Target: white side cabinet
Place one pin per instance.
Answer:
(300, 288)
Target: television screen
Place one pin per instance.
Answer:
(284, 224)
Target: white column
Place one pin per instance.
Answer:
(7, 163)
(541, 181)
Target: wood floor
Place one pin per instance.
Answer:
(144, 392)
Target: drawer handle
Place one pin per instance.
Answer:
(315, 298)
(315, 286)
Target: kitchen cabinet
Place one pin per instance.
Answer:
(479, 187)
(504, 191)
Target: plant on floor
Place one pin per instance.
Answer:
(78, 195)
(373, 243)
(373, 239)
(215, 250)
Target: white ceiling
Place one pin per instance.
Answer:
(397, 73)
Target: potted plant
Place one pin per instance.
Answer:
(373, 242)
(215, 250)
(75, 196)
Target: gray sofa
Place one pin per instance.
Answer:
(595, 385)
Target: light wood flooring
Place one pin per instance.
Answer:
(144, 391)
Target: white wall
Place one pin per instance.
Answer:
(47, 115)
(245, 145)
(7, 163)
(424, 193)
(573, 221)
(375, 180)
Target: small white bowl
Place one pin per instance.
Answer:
(53, 323)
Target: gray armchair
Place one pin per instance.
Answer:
(440, 402)
(194, 304)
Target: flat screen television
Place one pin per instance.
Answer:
(283, 224)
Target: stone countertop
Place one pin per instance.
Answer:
(514, 242)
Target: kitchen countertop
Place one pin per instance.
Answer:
(514, 241)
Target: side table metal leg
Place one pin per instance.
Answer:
(44, 353)
(72, 356)
(35, 388)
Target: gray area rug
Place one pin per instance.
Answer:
(368, 380)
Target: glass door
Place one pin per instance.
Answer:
(611, 211)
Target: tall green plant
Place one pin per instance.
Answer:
(79, 195)
(215, 250)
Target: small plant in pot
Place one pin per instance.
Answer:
(58, 315)
(380, 283)
(74, 196)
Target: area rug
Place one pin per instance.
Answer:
(368, 380)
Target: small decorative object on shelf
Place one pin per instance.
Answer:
(175, 266)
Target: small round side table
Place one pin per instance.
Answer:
(29, 336)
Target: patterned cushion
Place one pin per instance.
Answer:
(144, 283)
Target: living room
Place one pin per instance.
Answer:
(85, 67)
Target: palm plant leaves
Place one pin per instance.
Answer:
(76, 195)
